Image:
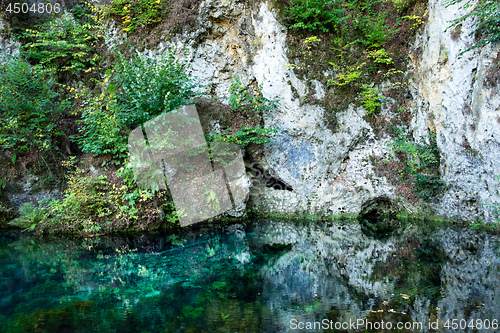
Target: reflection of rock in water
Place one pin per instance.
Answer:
(471, 276)
(326, 269)
(258, 277)
(338, 272)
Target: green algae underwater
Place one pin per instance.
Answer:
(257, 276)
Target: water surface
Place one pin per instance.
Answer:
(266, 276)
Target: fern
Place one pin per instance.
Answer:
(28, 107)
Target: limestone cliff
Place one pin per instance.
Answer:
(320, 169)
(329, 172)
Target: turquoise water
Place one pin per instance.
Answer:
(267, 276)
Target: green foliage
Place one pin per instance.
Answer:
(370, 98)
(373, 24)
(420, 156)
(30, 216)
(486, 15)
(416, 20)
(252, 107)
(401, 4)
(103, 130)
(422, 163)
(28, 108)
(364, 44)
(146, 87)
(94, 204)
(243, 99)
(139, 89)
(367, 33)
(380, 56)
(244, 136)
(348, 75)
(84, 205)
(5, 213)
(65, 44)
(134, 14)
(315, 14)
(428, 186)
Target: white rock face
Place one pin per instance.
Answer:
(330, 172)
(7, 45)
(454, 96)
(327, 171)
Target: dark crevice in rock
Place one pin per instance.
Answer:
(264, 178)
(378, 217)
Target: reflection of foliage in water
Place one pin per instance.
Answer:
(245, 281)
(183, 289)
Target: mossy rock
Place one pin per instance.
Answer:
(213, 112)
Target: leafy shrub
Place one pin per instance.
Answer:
(95, 204)
(420, 156)
(380, 56)
(367, 45)
(427, 186)
(86, 205)
(243, 99)
(421, 163)
(140, 88)
(416, 20)
(486, 15)
(5, 213)
(146, 87)
(245, 136)
(401, 5)
(316, 14)
(65, 44)
(373, 24)
(103, 130)
(251, 107)
(348, 75)
(28, 106)
(370, 98)
(30, 217)
(134, 14)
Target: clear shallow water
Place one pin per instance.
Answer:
(263, 277)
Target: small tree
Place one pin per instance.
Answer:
(28, 107)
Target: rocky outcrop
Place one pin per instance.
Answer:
(329, 172)
(458, 95)
(315, 168)
(8, 47)
(324, 172)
